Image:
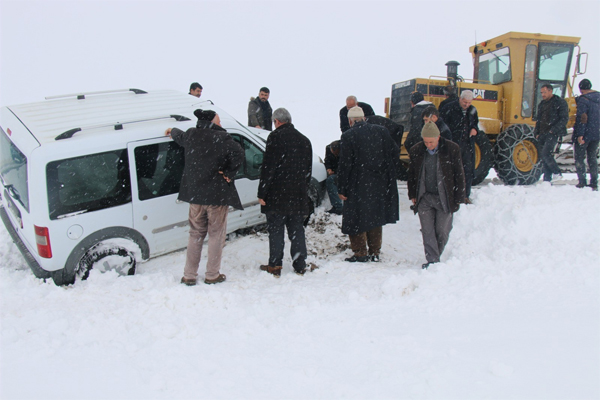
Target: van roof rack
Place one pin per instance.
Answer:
(81, 95)
(118, 125)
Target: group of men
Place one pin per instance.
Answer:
(361, 169)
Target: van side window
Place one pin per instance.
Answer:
(88, 183)
(158, 168)
(253, 159)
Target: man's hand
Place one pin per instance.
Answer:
(473, 132)
(330, 171)
(414, 201)
(168, 132)
(580, 140)
(262, 202)
(225, 177)
(342, 197)
(258, 126)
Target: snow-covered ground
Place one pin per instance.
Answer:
(512, 312)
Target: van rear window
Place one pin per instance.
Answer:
(88, 183)
(13, 170)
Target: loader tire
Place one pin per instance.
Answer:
(484, 157)
(518, 160)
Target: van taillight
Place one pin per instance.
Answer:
(42, 239)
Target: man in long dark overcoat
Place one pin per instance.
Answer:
(212, 159)
(436, 187)
(283, 191)
(367, 184)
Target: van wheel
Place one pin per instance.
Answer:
(104, 256)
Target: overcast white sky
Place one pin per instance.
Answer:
(310, 54)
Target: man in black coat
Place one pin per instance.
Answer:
(436, 187)
(418, 104)
(461, 117)
(283, 191)
(451, 96)
(260, 111)
(367, 185)
(212, 159)
(552, 118)
(432, 114)
(351, 101)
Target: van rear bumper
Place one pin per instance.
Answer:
(33, 264)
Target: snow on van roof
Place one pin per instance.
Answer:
(48, 119)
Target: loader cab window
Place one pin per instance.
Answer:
(528, 103)
(495, 66)
(554, 62)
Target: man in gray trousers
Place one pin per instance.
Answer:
(436, 187)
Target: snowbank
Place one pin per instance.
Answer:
(511, 312)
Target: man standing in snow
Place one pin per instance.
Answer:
(260, 111)
(461, 117)
(432, 114)
(196, 89)
(552, 118)
(367, 185)
(418, 105)
(436, 187)
(283, 191)
(586, 133)
(212, 159)
(332, 156)
(351, 101)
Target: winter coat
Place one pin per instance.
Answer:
(257, 116)
(396, 130)
(552, 117)
(331, 160)
(416, 124)
(345, 124)
(450, 166)
(208, 150)
(445, 103)
(286, 172)
(445, 132)
(369, 158)
(587, 122)
(460, 125)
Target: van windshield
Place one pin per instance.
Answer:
(13, 170)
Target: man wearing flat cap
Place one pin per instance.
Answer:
(367, 185)
(212, 159)
(436, 187)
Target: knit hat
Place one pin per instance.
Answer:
(205, 115)
(356, 112)
(430, 130)
(585, 84)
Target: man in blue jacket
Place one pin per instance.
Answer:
(586, 134)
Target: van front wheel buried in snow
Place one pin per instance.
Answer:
(518, 160)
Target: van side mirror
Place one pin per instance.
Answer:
(257, 161)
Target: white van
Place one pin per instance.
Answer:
(91, 180)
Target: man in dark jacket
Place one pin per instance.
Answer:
(196, 89)
(451, 96)
(436, 187)
(260, 111)
(586, 133)
(552, 118)
(432, 114)
(212, 159)
(332, 157)
(351, 101)
(283, 191)
(461, 117)
(418, 104)
(367, 185)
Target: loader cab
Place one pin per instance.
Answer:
(522, 63)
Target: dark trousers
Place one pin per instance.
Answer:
(435, 226)
(589, 150)
(372, 238)
(548, 143)
(468, 160)
(276, 224)
(332, 191)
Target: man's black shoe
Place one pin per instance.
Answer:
(580, 185)
(374, 257)
(594, 188)
(334, 211)
(426, 265)
(358, 259)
